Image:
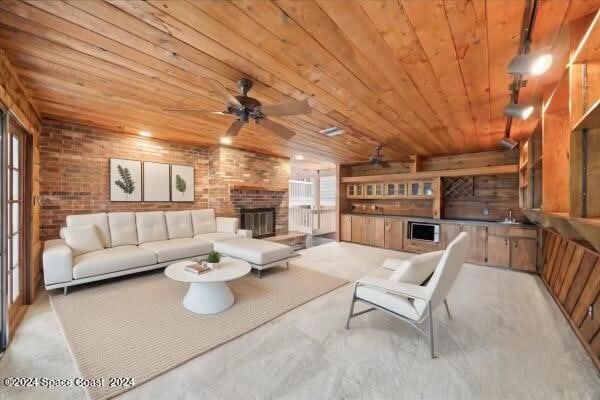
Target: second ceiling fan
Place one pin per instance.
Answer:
(245, 108)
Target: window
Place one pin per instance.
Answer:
(327, 188)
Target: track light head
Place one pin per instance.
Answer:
(508, 143)
(522, 111)
(530, 64)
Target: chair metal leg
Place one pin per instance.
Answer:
(258, 272)
(350, 312)
(65, 290)
(447, 309)
(431, 344)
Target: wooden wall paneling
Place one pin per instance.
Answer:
(571, 272)
(342, 203)
(558, 261)
(558, 242)
(591, 324)
(585, 269)
(562, 270)
(588, 294)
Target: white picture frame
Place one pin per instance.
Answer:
(186, 175)
(156, 181)
(125, 180)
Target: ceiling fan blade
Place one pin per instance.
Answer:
(292, 108)
(276, 128)
(234, 128)
(222, 92)
(192, 111)
(385, 164)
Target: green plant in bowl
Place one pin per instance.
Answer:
(213, 259)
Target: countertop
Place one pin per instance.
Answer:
(447, 221)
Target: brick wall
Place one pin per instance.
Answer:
(230, 167)
(74, 176)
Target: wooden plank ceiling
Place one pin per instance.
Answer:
(420, 77)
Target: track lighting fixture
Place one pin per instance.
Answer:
(530, 64)
(522, 111)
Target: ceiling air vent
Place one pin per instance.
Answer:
(333, 131)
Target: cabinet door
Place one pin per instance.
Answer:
(377, 232)
(449, 233)
(379, 189)
(478, 236)
(359, 229)
(498, 251)
(414, 189)
(427, 188)
(369, 190)
(390, 189)
(394, 234)
(523, 254)
(358, 189)
(351, 191)
(402, 189)
(346, 227)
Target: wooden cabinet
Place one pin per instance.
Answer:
(498, 251)
(414, 189)
(359, 229)
(394, 190)
(394, 233)
(346, 227)
(448, 233)
(477, 248)
(368, 230)
(354, 191)
(523, 253)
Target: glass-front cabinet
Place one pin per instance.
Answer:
(390, 190)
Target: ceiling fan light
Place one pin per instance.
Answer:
(508, 143)
(299, 157)
(225, 140)
(530, 64)
(522, 111)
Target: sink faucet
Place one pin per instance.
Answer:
(510, 218)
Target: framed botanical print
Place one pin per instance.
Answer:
(125, 180)
(182, 183)
(156, 181)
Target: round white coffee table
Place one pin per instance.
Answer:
(208, 292)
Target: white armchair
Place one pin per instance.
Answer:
(410, 302)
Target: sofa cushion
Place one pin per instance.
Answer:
(398, 304)
(179, 224)
(215, 236)
(99, 219)
(204, 221)
(175, 249)
(151, 226)
(83, 239)
(227, 224)
(111, 260)
(122, 228)
(255, 251)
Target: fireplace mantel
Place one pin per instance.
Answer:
(268, 188)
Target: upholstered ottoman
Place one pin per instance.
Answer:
(261, 254)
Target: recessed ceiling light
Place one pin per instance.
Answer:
(522, 111)
(299, 157)
(530, 64)
(225, 140)
(145, 133)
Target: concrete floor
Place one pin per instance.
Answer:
(508, 340)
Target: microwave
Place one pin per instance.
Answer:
(424, 232)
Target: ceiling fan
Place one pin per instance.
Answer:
(376, 160)
(245, 108)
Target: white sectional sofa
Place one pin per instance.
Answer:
(135, 242)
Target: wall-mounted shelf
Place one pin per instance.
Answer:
(589, 47)
(493, 170)
(591, 118)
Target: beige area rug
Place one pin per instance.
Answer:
(138, 327)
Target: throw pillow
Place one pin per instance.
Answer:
(83, 239)
(417, 269)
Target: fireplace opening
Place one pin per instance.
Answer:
(261, 221)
